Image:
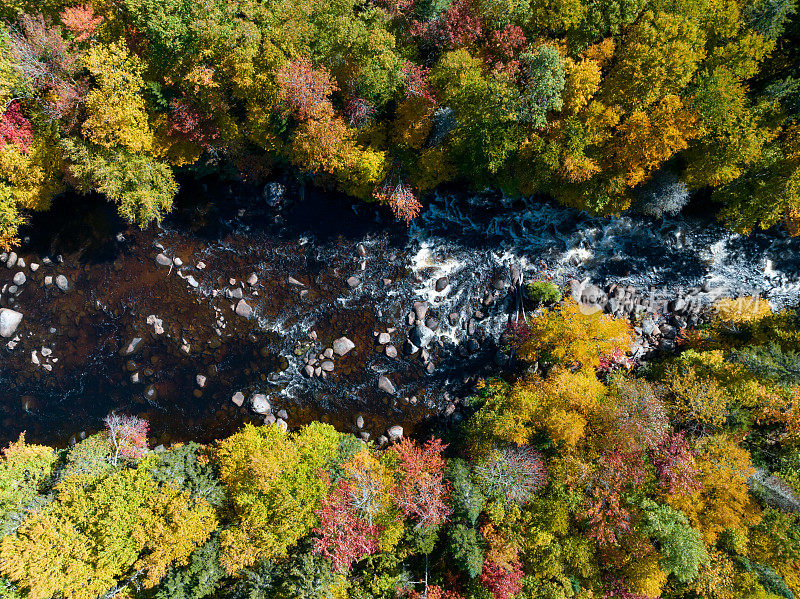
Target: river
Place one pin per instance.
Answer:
(68, 365)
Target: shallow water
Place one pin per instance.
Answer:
(471, 239)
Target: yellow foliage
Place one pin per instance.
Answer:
(582, 83)
(715, 579)
(724, 501)
(741, 310)
(115, 109)
(433, 167)
(568, 336)
(170, 530)
(413, 122)
(647, 139)
(644, 575)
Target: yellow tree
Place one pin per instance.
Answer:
(724, 501)
(568, 336)
(115, 108)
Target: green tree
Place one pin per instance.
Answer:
(543, 75)
(681, 547)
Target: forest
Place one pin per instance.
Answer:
(579, 473)
(586, 479)
(604, 105)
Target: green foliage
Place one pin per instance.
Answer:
(142, 187)
(543, 292)
(181, 468)
(200, 578)
(770, 362)
(682, 548)
(465, 546)
(543, 72)
(467, 498)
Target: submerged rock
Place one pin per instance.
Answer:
(62, 283)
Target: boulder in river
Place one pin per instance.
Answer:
(395, 433)
(132, 347)
(9, 321)
(385, 385)
(259, 403)
(238, 398)
(421, 336)
(244, 309)
(442, 283)
(62, 283)
(353, 282)
(420, 310)
(163, 260)
(20, 278)
(274, 195)
(342, 346)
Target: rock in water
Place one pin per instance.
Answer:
(238, 398)
(163, 260)
(395, 433)
(342, 346)
(62, 283)
(353, 282)
(442, 283)
(244, 309)
(20, 278)
(9, 321)
(274, 194)
(132, 347)
(384, 384)
(420, 310)
(421, 336)
(259, 403)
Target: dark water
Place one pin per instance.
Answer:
(472, 239)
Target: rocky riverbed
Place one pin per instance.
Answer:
(280, 305)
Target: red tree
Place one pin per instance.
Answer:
(128, 436)
(400, 197)
(416, 81)
(456, 27)
(504, 45)
(305, 90)
(421, 491)
(188, 123)
(674, 462)
(342, 535)
(81, 20)
(503, 583)
(15, 128)
(358, 111)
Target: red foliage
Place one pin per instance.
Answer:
(456, 27)
(606, 518)
(674, 462)
(503, 46)
(416, 81)
(15, 128)
(432, 592)
(501, 582)
(81, 21)
(422, 492)
(128, 435)
(358, 111)
(400, 198)
(304, 89)
(189, 124)
(516, 333)
(45, 61)
(615, 360)
(342, 535)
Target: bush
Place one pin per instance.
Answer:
(543, 292)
